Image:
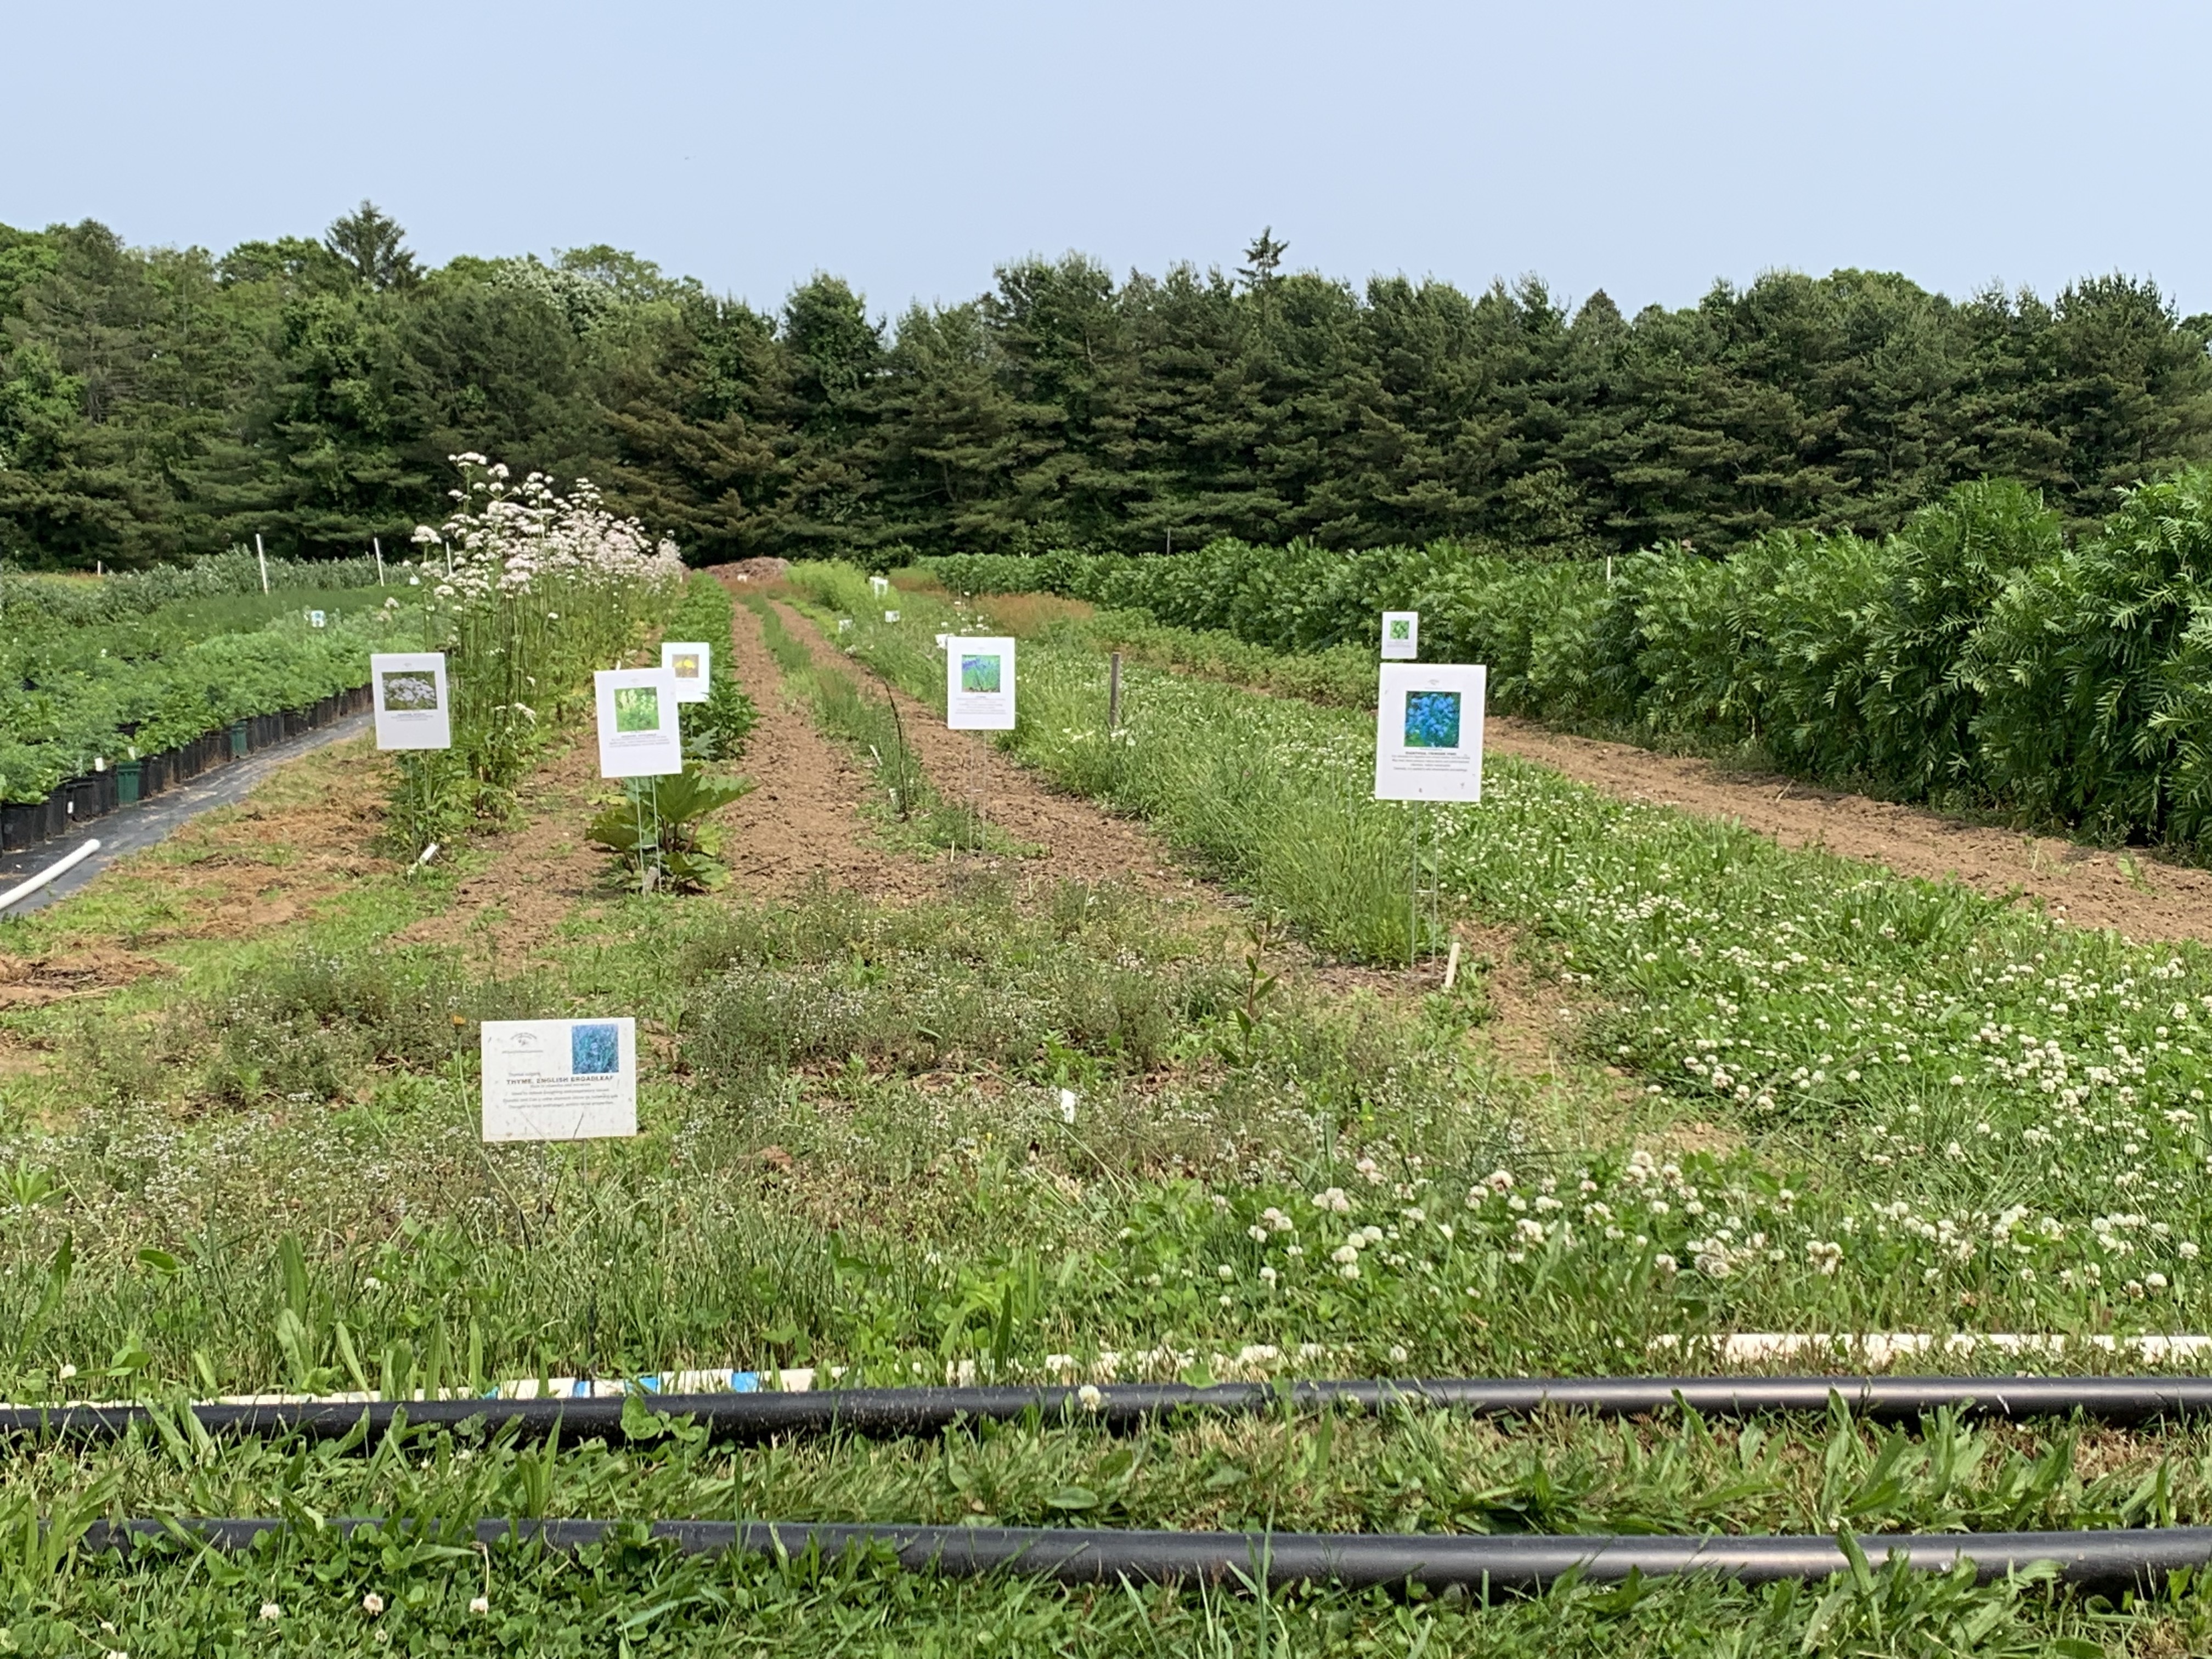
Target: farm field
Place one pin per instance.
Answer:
(1073, 1055)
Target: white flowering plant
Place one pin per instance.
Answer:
(528, 590)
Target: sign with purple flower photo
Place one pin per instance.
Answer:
(979, 683)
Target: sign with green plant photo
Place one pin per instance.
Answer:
(639, 734)
(1401, 635)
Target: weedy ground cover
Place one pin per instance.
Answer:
(1969, 1116)
(264, 1171)
(855, 708)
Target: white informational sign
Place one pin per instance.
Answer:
(879, 586)
(979, 684)
(692, 666)
(559, 1079)
(409, 687)
(638, 735)
(844, 625)
(1401, 635)
(891, 616)
(316, 618)
(1428, 731)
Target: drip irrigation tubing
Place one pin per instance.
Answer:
(2101, 1562)
(892, 1412)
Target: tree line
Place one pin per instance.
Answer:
(157, 403)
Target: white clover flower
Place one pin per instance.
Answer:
(1268, 1275)
(480, 1604)
(1345, 1253)
(1224, 1272)
(1665, 1263)
(372, 1604)
(1397, 1354)
(1349, 1270)
(271, 1612)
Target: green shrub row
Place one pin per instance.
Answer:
(110, 689)
(717, 728)
(1977, 658)
(77, 602)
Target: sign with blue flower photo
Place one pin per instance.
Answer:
(1428, 731)
(559, 1079)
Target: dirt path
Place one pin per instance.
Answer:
(803, 819)
(514, 905)
(2085, 885)
(1080, 841)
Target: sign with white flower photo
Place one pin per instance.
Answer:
(409, 691)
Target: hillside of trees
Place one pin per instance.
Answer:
(157, 403)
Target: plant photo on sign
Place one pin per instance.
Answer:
(1432, 719)
(637, 709)
(410, 690)
(685, 665)
(1401, 628)
(595, 1050)
(979, 673)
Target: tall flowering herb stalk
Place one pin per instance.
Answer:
(528, 590)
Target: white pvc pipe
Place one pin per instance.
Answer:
(23, 891)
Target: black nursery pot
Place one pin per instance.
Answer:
(22, 825)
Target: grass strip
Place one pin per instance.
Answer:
(1964, 1115)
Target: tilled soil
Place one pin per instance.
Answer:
(1076, 840)
(2089, 886)
(803, 820)
(514, 906)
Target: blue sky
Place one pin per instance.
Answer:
(1646, 149)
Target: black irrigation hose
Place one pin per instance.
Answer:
(2101, 1563)
(885, 1413)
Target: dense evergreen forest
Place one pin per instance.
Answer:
(162, 402)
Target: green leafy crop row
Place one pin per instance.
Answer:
(1976, 658)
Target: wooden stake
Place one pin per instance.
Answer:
(1113, 693)
(259, 554)
(1451, 966)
